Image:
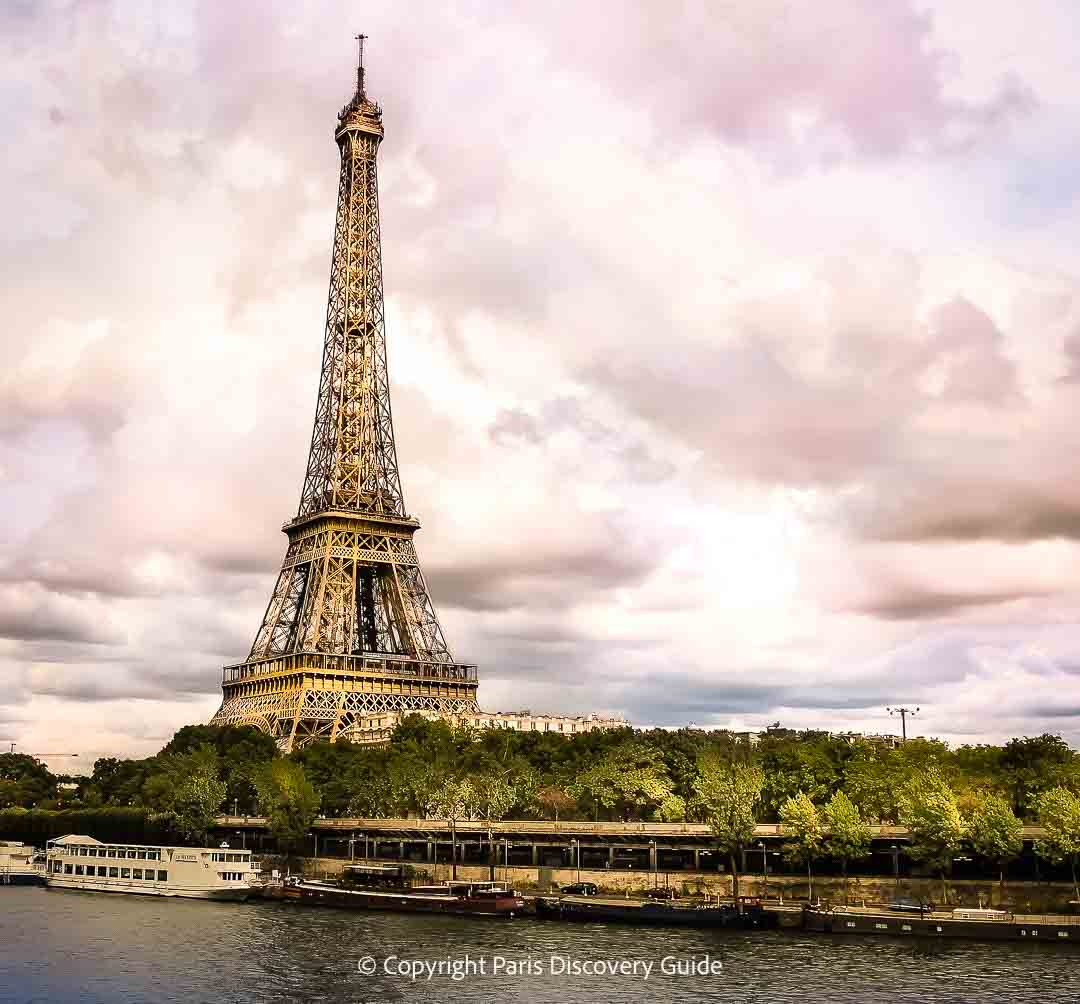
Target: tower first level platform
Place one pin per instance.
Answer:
(308, 696)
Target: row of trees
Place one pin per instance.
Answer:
(730, 794)
(617, 774)
(825, 789)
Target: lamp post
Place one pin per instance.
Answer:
(575, 857)
(904, 714)
(652, 856)
(896, 866)
(764, 869)
(506, 859)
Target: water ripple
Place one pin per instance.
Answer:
(61, 947)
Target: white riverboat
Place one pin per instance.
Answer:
(78, 862)
(17, 865)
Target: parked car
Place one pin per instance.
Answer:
(659, 894)
(909, 904)
(580, 889)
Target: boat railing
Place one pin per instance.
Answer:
(1057, 919)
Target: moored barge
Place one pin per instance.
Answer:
(982, 925)
(671, 913)
(385, 887)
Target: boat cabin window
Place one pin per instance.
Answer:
(114, 873)
(79, 869)
(101, 871)
(125, 873)
(136, 873)
(163, 876)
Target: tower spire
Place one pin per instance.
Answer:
(360, 67)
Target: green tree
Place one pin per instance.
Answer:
(629, 779)
(120, 782)
(728, 794)
(1031, 766)
(188, 788)
(979, 773)
(1058, 812)
(24, 781)
(373, 788)
(288, 800)
(333, 769)
(876, 774)
(927, 807)
(808, 762)
(848, 835)
(453, 800)
(802, 833)
(995, 834)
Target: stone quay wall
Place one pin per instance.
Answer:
(1019, 897)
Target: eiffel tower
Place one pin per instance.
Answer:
(350, 630)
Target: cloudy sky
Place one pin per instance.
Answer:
(735, 351)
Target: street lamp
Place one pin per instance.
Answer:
(652, 855)
(904, 714)
(575, 853)
(896, 865)
(764, 869)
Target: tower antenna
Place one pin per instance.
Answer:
(360, 66)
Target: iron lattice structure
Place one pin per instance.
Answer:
(350, 630)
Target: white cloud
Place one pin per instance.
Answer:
(727, 390)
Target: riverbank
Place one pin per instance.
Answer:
(1017, 897)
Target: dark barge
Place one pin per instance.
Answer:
(386, 888)
(663, 914)
(982, 925)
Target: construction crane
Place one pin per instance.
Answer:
(41, 756)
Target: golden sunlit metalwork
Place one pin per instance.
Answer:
(350, 629)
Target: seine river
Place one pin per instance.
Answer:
(58, 947)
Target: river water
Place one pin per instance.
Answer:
(63, 946)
